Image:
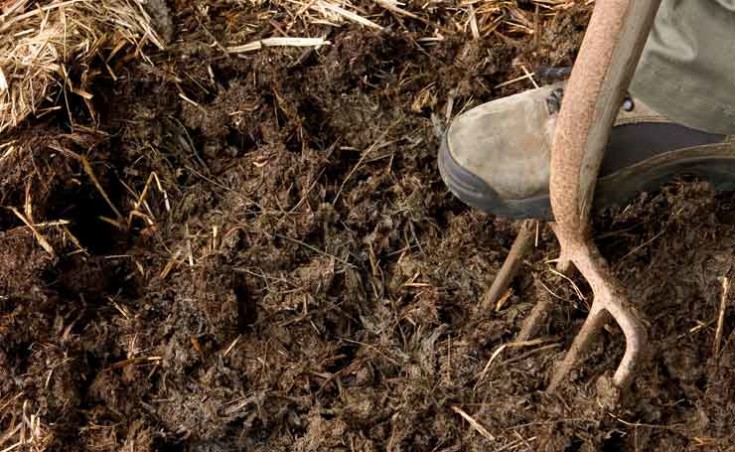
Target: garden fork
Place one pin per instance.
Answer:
(607, 59)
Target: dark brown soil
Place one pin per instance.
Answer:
(302, 280)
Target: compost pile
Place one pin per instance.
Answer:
(217, 239)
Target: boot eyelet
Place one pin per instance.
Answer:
(628, 104)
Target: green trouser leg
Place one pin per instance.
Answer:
(687, 70)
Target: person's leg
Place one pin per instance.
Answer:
(495, 157)
(687, 70)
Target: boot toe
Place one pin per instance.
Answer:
(495, 156)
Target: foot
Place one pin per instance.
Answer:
(495, 157)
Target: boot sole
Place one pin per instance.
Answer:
(713, 163)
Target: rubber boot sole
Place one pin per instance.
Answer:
(714, 163)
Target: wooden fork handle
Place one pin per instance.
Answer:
(607, 59)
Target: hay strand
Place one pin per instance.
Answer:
(278, 42)
(47, 35)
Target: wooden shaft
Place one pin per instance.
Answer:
(607, 59)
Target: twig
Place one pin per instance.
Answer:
(516, 443)
(392, 6)
(531, 352)
(721, 315)
(232, 345)
(210, 35)
(40, 238)
(476, 425)
(500, 349)
(90, 172)
(530, 76)
(323, 7)
(514, 80)
(641, 246)
(373, 147)
(314, 249)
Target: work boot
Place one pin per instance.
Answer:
(496, 156)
